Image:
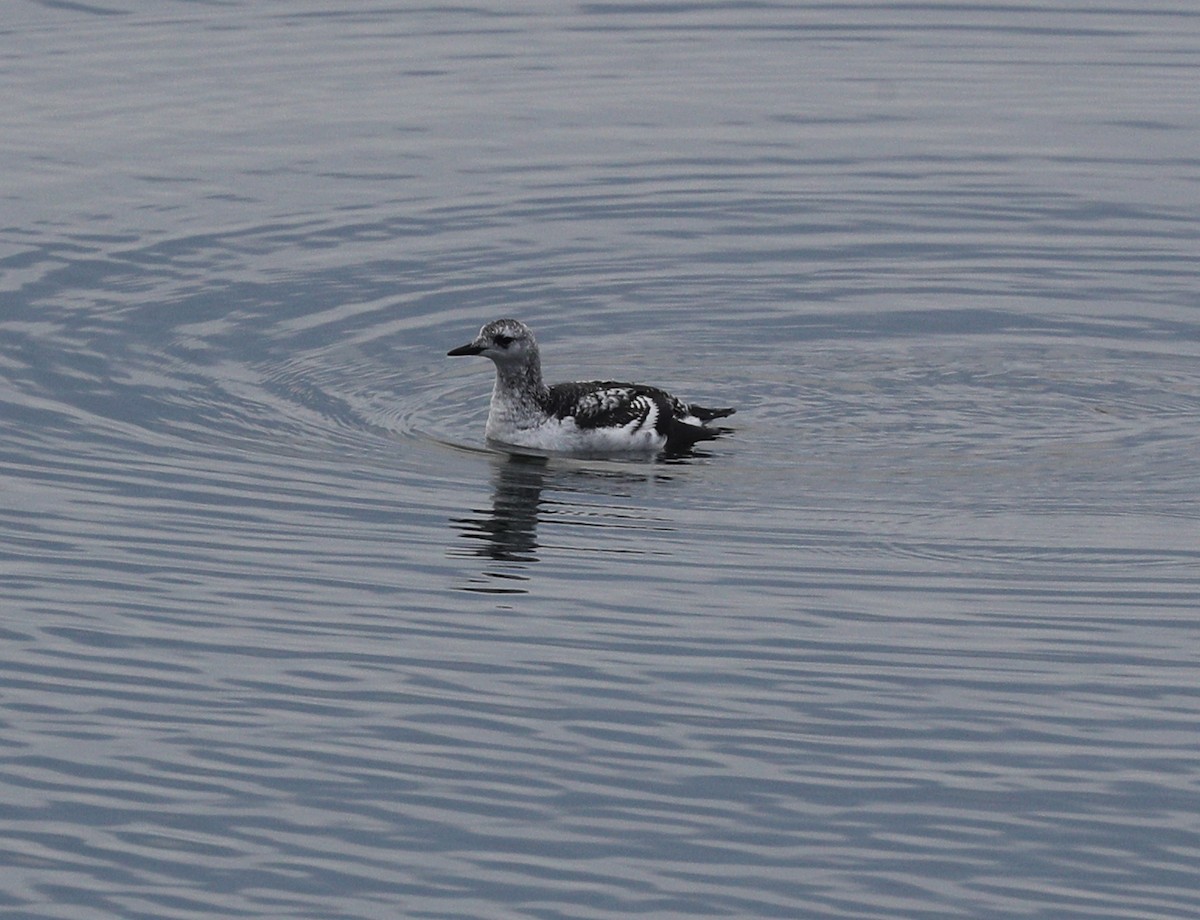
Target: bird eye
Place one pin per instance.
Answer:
(503, 340)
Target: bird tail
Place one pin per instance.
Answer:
(681, 436)
(707, 415)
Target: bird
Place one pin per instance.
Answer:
(592, 418)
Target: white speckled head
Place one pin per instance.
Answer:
(505, 341)
(511, 346)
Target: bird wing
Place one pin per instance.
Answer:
(606, 403)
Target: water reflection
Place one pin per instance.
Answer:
(506, 532)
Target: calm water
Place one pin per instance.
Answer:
(281, 639)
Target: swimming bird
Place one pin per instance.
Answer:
(595, 417)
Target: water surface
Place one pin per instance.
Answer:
(282, 638)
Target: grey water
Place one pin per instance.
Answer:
(281, 637)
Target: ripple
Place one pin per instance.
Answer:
(284, 639)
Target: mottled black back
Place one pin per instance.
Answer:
(605, 403)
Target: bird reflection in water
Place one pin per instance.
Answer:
(507, 532)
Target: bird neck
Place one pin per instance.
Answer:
(522, 383)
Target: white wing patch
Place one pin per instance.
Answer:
(598, 403)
